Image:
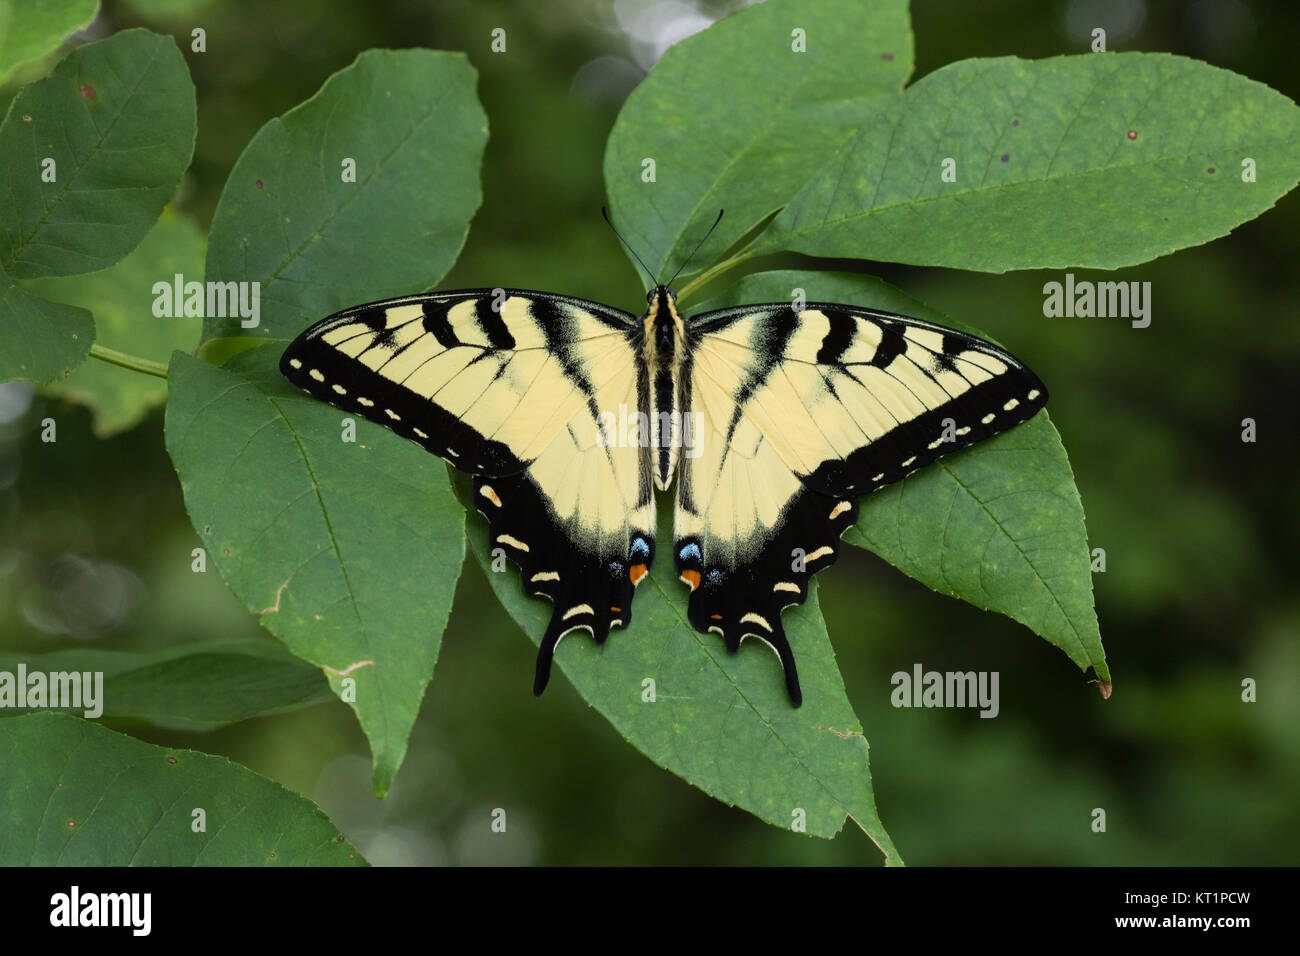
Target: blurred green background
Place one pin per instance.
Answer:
(1199, 529)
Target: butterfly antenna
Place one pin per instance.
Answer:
(697, 247)
(604, 212)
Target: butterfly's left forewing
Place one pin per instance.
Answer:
(796, 415)
(508, 385)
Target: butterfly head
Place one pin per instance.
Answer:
(661, 318)
(660, 295)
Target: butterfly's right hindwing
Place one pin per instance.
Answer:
(509, 386)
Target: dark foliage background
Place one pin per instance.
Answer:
(1200, 530)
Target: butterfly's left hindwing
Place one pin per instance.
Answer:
(507, 385)
(798, 415)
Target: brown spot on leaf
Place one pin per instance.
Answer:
(87, 91)
(259, 184)
(171, 759)
(72, 823)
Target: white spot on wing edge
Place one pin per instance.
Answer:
(513, 542)
(770, 645)
(488, 492)
(821, 552)
(392, 414)
(576, 627)
(786, 586)
(545, 576)
(297, 363)
(752, 618)
(576, 610)
(840, 508)
(1012, 403)
(988, 418)
(316, 374)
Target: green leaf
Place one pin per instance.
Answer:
(190, 687)
(1098, 161)
(122, 300)
(412, 124)
(998, 524)
(735, 119)
(117, 118)
(30, 30)
(76, 794)
(348, 551)
(721, 722)
(40, 340)
(168, 11)
(783, 285)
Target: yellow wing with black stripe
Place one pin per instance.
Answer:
(508, 385)
(798, 413)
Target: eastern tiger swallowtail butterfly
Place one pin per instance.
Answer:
(569, 414)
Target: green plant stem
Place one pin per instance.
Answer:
(710, 274)
(134, 363)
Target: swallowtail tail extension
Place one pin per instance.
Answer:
(773, 421)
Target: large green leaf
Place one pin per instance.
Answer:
(40, 340)
(122, 300)
(721, 722)
(288, 220)
(190, 687)
(735, 118)
(29, 30)
(75, 794)
(999, 524)
(117, 117)
(1100, 161)
(348, 551)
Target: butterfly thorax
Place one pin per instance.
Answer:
(663, 345)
